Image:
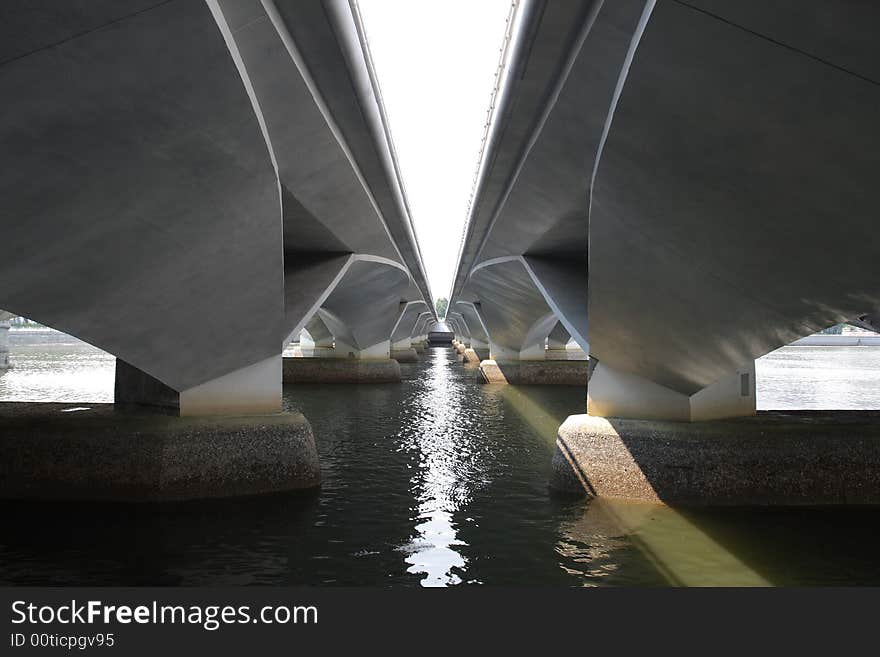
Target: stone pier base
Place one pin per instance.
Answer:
(774, 458)
(471, 356)
(536, 372)
(460, 348)
(419, 347)
(340, 370)
(405, 355)
(94, 452)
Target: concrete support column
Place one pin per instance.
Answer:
(403, 351)
(252, 390)
(476, 352)
(561, 346)
(558, 337)
(479, 345)
(315, 347)
(612, 393)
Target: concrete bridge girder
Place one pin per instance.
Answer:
(182, 233)
(318, 333)
(578, 180)
(167, 232)
(420, 330)
(520, 308)
(460, 326)
(363, 307)
(470, 313)
(402, 332)
(558, 337)
(730, 272)
(533, 196)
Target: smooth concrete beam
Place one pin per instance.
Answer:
(774, 458)
(97, 452)
(340, 370)
(528, 372)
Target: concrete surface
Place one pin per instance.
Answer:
(472, 357)
(527, 372)
(96, 452)
(627, 133)
(774, 458)
(405, 355)
(206, 174)
(340, 370)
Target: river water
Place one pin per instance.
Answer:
(437, 481)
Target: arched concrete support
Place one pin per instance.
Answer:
(420, 331)
(533, 346)
(562, 282)
(349, 288)
(459, 329)
(479, 334)
(558, 337)
(462, 327)
(728, 246)
(513, 309)
(316, 340)
(362, 309)
(120, 208)
(402, 332)
(319, 333)
(308, 70)
(561, 346)
(517, 292)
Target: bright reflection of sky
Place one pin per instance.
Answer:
(443, 481)
(436, 65)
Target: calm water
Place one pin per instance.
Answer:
(437, 481)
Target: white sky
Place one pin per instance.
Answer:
(436, 66)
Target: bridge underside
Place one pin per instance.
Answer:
(734, 185)
(187, 184)
(711, 166)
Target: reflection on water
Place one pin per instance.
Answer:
(436, 481)
(836, 378)
(433, 430)
(52, 366)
